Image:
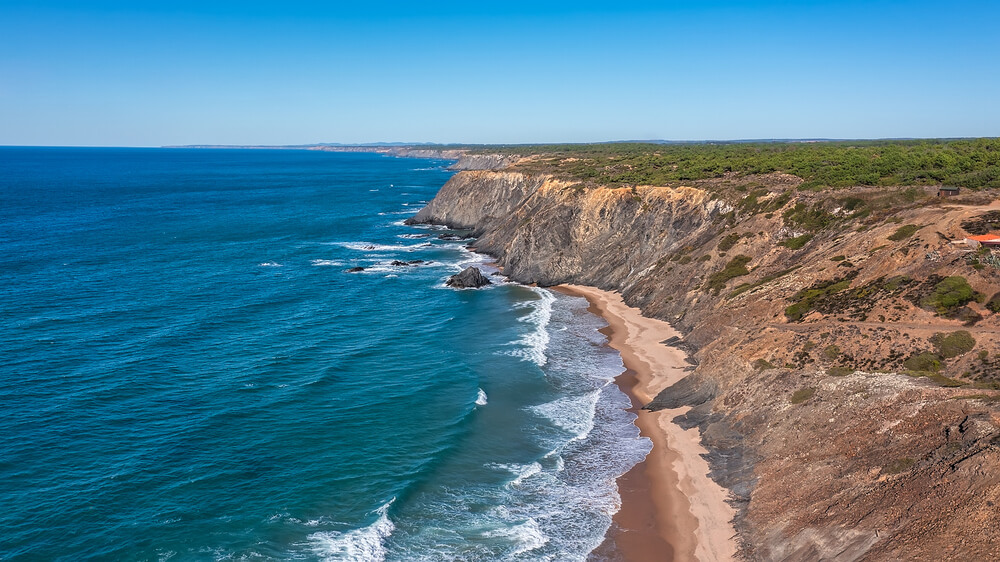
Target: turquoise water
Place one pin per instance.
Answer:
(189, 373)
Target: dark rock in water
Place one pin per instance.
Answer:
(469, 278)
(415, 262)
(397, 263)
(454, 237)
(355, 269)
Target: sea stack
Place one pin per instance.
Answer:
(469, 278)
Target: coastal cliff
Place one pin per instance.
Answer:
(842, 423)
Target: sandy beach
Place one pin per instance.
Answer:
(671, 509)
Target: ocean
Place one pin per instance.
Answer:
(189, 371)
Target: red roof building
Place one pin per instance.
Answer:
(990, 239)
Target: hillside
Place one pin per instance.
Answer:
(847, 339)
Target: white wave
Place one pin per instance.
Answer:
(365, 544)
(535, 343)
(269, 264)
(481, 398)
(370, 247)
(521, 472)
(327, 262)
(402, 222)
(528, 471)
(574, 414)
(403, 212)
(527, 535)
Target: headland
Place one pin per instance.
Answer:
(840, 318)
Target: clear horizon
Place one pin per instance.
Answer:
(109, 73)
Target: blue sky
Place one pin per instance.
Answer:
(158, 73)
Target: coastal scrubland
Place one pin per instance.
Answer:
(961, 163)
(845, 334)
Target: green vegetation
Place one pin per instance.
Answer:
(994, 303)
(964, 163)
(832, 352)
(944, 381)
(953, 344)
(802, 394)
(838, 258)
(762, 364)
(763, 281)
(728, 242)
(925, 362)
(949, 294)
(904, 232)
(797, 242)
(899, 465)
(983, 224)
(804, 299)
(809, 218)
(839, 371)
(735, 268)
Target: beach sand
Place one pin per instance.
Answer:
(671, 509)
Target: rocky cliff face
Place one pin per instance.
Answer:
(830, 450)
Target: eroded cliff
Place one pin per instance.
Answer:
(844, 423)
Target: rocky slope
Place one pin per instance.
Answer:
(845, 381)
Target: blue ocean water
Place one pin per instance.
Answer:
(189, 373)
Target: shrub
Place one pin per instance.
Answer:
(728, 242)
(797, 242)
(805, 298)
(838, 258)
(923, 362)
(832, 352)
(944, 381)
(994, 303)
(802, 394)
(950, 294)
(953, 344)
(839, 371)
(762, 364)
(904, 232)
(735, 268)
(899, 465)
(809, 218)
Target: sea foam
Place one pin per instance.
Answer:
(366, 544)
(534, 343)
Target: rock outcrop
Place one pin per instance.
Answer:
(469, 278)
(830, 449)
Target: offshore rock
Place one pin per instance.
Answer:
(469, 278)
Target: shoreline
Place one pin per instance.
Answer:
(670, 508)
